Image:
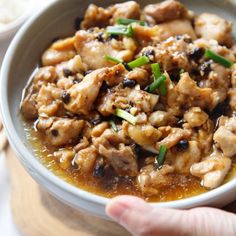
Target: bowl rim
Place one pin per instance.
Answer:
(35, 164)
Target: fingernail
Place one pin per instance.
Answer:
(115, 210)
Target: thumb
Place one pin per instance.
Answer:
(140, 219)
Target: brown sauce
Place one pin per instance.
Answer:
(110, 185)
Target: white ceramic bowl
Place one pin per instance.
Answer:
(57, 20)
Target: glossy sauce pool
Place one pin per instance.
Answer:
(112, 185)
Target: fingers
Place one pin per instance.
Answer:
(140, 218)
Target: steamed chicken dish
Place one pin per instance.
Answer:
(138, 101)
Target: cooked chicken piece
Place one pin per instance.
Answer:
(83, 95)
(86, 158)
(144, 34)
(165, 11)
(225, 137)
(65, 157)
(139, 75)
(183, 160)
(121, 157)
(161, 118)
(174, 135)
(175, 28)
(129, 10)
(171, 53)
(212, 170)
(122, 98)
(205, 137)
(233, 76)
(194, 95)
(28, 106)
(92, 51)
(211, 26)
(215, 47)
(96, 17)
(61, 50)
(98, 130)
(60, 131)
(101, 17)
(232, 91)
(151, 179)
(42, 77)
(195, 117)
(232, 98)
(83, 143)
(219, 80)
(49, 100)
(144, 135)
(71, 67)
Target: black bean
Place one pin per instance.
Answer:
(88, 72)
(206, 67)
(178, 37)
(129, 83)
(113, 36)
(188, 40)
(99, 171)
(180, 122)
(137, 148)
(67, 72)
(96, 121)
(196, 54)
(54, 132)
(150, 54)
(100, 37)
(77, 23)
(182, 145)
(104, 87)
(126, 66)
(65, 97)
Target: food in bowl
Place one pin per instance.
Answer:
(138, 101)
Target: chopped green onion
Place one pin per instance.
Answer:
(113, 59)
(113, 125)
(120, 30)
(160, 159)
(156, 70)
(162, 90)
(181, 71)
(156, 83)
(138, 62)
(124, 21)
(126, 116)
(217, 58)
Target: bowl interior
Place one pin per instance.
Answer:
(57, 22)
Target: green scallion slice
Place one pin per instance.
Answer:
(124, 21)
(156, 83)
(126, 116)
(160, 159)
(112, 59)
(217, 58)
(138, 62)
(162, 90)
(120, 30)
(156, 70)
(113, 125)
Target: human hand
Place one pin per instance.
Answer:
(140, 219)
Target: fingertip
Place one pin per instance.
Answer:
(119, 204)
